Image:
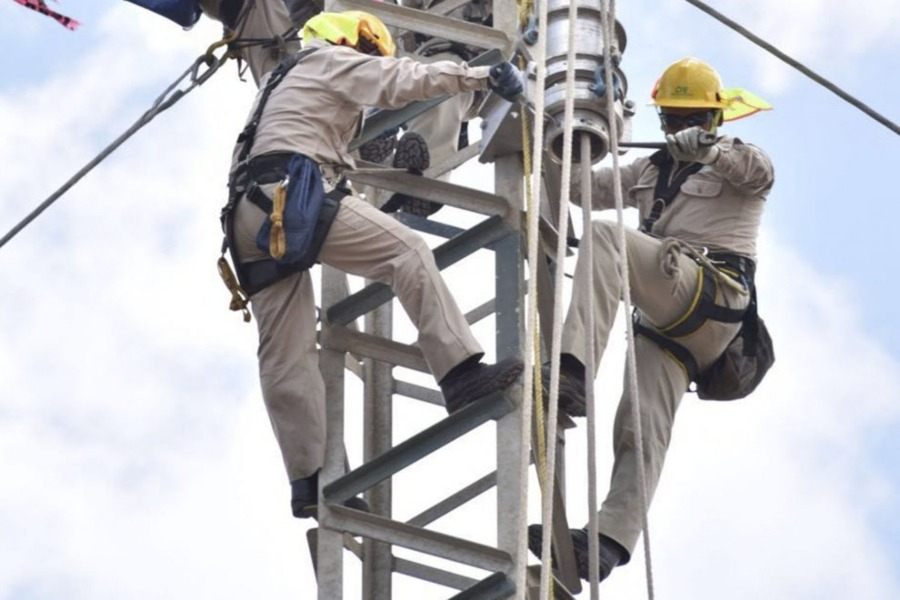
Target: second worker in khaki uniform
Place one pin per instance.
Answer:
(315, 111)
(700, 202)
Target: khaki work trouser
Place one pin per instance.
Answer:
(262, 20)
(440, 126)
(362, 241)
(661, 381)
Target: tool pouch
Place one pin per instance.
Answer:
(296, 203)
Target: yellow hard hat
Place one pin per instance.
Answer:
(353, 28)
(689, 83)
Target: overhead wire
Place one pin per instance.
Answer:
(164, 101)
(796, 64)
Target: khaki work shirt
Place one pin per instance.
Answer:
(719, 207)
(318, 108)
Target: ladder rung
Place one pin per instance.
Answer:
(432, 574)
(418, 446)
(420, 21)
(450, 194)
(433, 543)
(493, 587)
(343, 339)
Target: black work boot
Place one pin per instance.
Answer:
(571, 386)
(471, 380)
(611, 553)
(379, 149)
(305, 497)
(412, 154)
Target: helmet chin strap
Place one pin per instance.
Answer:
(718, 115)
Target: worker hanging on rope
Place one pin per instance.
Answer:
(287, 175)
(691, 270)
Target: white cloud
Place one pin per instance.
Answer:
(780, 495)
(137, 457)
(828, 36)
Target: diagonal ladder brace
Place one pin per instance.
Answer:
(488, 231)
(419, 446)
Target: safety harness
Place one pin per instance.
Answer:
(703, 306)
(667, 187)
(246, 179)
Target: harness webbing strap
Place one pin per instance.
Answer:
(245, 180)
(679, 352)
(703, 307)
(706, 309)
(248, 135)
(667, 187)
(257, 275)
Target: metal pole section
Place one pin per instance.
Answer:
(377, 438)
(512, 456)
(331, 363)
(512, 453)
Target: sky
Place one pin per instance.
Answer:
(136, 457)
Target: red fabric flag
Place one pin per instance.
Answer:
(41, 7)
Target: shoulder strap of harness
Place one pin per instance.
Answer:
(248, 135)
(666, 190)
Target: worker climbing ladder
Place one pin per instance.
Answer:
(342, 347)
(499, 231)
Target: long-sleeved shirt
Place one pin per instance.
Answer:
(317, 109)
(719, 207)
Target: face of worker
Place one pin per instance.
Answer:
(674, 119)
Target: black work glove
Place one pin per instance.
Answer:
(506, 81)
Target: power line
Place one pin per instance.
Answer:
(797, 65)
(169, 97)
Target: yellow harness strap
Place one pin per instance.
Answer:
(239, 297)
(277, 243)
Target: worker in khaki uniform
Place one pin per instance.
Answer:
(434, 136)
(700, 199)
(263, 32)
(347, 64)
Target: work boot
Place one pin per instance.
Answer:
(611, 553)
(412, 154)
(305, 497)
(472, 379)
(380, 148)
(572, 400)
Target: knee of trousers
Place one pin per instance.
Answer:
(417, 252)
(604, 233)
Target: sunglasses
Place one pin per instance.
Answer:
(673, 121)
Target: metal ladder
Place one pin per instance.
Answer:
(371, 355)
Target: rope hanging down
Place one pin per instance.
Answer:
(199, 71)
(797, 65)
(631, 359)
(556, 337)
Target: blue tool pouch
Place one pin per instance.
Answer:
(297, 202)
(184, 12)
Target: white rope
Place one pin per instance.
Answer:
(556, 342)
(608, 20)
(537, 154)
(587, 247)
